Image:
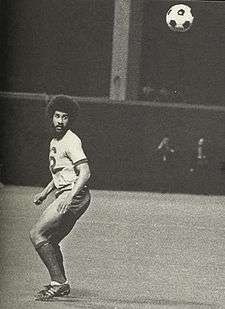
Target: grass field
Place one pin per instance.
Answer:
(129, 250)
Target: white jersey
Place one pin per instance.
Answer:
(64, 156)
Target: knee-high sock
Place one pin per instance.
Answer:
(59, 257)
(48, 255)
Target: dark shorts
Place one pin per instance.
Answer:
(79, 203)
(67, 220)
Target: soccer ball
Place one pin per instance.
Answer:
(179, 18)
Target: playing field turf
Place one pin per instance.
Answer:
(129, 250)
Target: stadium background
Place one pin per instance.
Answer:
(51, 47)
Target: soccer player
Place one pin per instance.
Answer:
(70, 173)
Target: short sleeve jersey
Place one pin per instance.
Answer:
(64, 156)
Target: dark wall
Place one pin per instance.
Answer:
(66, 47)
(192, 62)
(56, 46)
(120, 141)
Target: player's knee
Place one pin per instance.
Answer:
(35, 236)
(32, 235)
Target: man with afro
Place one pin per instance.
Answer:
(70, 172)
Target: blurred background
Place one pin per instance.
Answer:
(139, 84)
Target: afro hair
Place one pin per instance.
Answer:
(62, 103)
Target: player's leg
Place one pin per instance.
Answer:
(79, 205)
(42, 235)
(59, 257)
(53, 231)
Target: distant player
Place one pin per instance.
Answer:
(166, 150)
(166, 163)
(70, 173)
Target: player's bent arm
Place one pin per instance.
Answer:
(84, 175)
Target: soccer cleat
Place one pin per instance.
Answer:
(51, 291)
(45, 288)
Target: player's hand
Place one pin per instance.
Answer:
(39, 198)
(65, 204)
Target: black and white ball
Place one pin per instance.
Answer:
(179, 18)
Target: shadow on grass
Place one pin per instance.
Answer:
(89, 299)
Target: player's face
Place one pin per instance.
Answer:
(166, 141)
(201, 141)
(60, 121)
